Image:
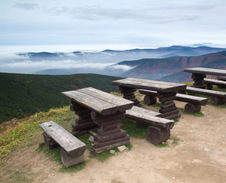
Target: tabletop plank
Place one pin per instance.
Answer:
(207, 71)
(159, 86)
(99, 101)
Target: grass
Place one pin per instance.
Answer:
(54, 154)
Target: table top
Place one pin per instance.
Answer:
(207, 71)
(158, 86)
(99, 101)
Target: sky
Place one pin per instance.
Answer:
(118, 24)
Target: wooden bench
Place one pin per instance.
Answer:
(222, 78)
(193, 105)
(158, 130)
(72, 149)
(210, 82)
(217, 97)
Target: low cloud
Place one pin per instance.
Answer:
(25, 6)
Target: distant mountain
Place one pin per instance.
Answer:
(113, 56)
(22, 94)
(169, 69)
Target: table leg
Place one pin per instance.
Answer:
(198, 80)
(128, 93)
(84, 123)
(109, 133)
(168, 108)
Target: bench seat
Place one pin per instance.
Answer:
(158, 130)
(194, 102)
(72, 148)
(217, 97)
(211, 82)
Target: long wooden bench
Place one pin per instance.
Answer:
(158, 130)
(210, 82)
(72, 148)
(217, 97)
(193, 105)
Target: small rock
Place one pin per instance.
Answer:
(122, 148)
(174, 178)
(91, 139)
(206, 149)
(112, 151)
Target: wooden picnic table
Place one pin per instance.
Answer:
(102, 111)
(199, 73)
(166, 92)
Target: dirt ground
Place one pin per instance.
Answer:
(199, 156)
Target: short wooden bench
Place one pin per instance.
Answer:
(217, 97)
(193, 105)
(72, 149)
(158, 130)
(210, 82)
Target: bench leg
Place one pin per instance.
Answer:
(128, 93)
(109, 134)
(68, 160)
(168, 108)
(49, 142)
(149, 100)
(84, 123)
(198, 80)
(157, 135)
(192, 108)
(209, 86)
(217, 100)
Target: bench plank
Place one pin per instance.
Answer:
(180, 97)
(148, 116)
(207, 92)
(66, 140)
(100, 102)
(214, 82)
(207, 71)
(159, 86)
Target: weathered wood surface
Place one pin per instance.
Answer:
(157, 135)
(150, 85)
(180, 97)
(73, 146)
(206, 92)
(149, 117)
(99, 101)
(207, 71)
(223, 78)
(214, 81)
(128, 93)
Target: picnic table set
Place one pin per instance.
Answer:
(100, 113)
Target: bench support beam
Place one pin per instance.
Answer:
(84, 123)
(168, 108)
(198, 80)
(109, 134)
(157, 135)
(128, 93)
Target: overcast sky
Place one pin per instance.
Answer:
(122, 23)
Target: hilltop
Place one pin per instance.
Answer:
(196, 148)
(24, 94)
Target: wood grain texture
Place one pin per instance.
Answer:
(207, 71)
(99, 101)
(206, 92)
(160, 86)
(66, 140)
(147, 116)
(180, 97)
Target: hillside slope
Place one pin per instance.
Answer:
(159, 68)
(23, 95)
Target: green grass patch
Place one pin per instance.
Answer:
(162, 145)
(131, 128)
(54, 154)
